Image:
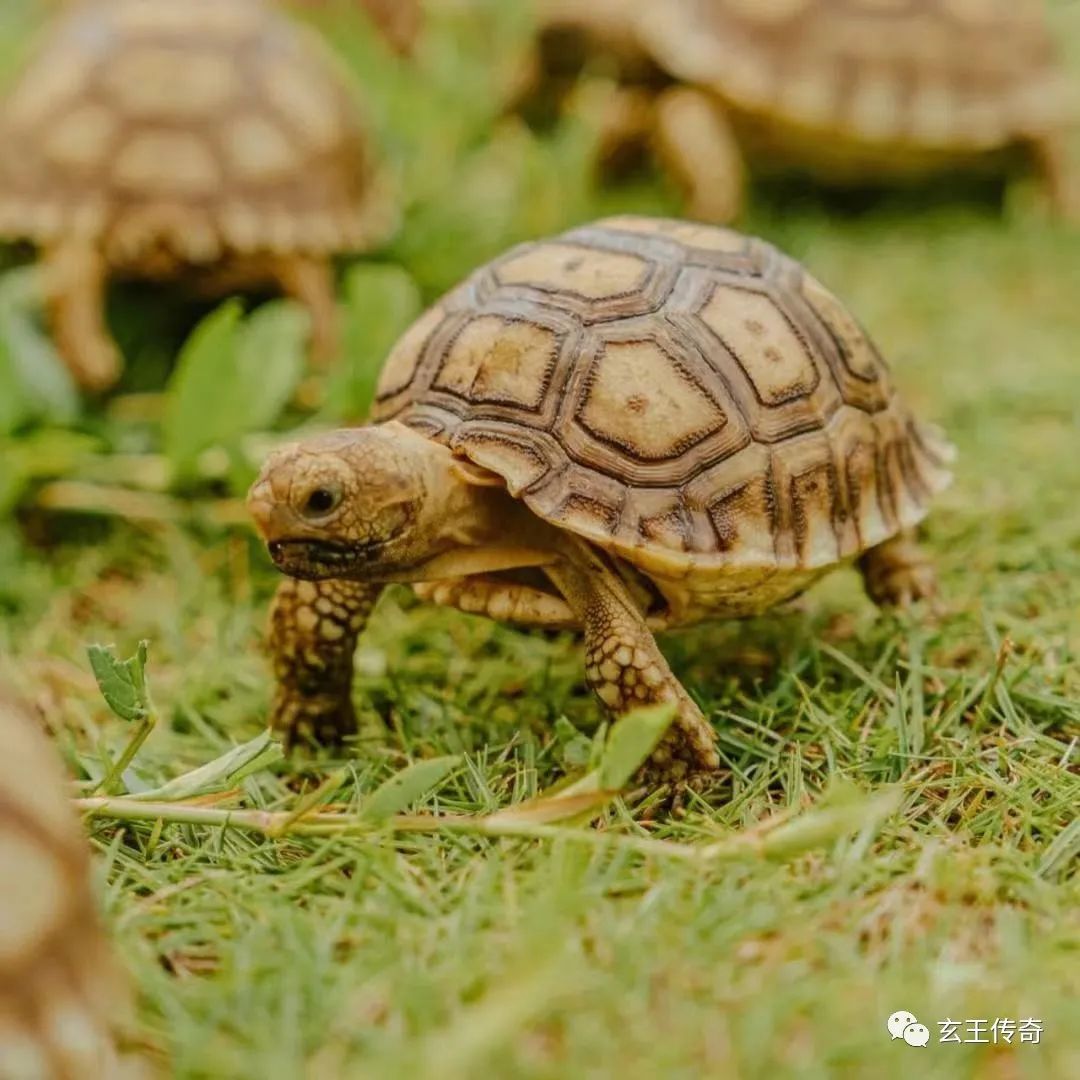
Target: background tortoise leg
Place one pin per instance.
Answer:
(506, 601)
(310, 282)
(1054, 163)
(696, 143)
(75, 279)
(898, 572)
(624, 120)
(626, 669)
(313, 630)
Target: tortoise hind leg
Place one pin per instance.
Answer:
(696, 143)
(75, 279)
(626, 669)
(898, 572)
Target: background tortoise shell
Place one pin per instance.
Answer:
(951, 74)
(60, 992)
(681, 395)
(204, 127)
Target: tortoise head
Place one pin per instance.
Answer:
(351, 504)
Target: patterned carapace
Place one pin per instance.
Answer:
(955, 74)
(208, 128)
(681, 395)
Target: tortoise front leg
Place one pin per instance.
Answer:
(625, 667)
(75, 279)
(310, 282)
(314, 626)
(898, 572)
(696, 143)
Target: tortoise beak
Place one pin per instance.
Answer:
(268, 512)
(315, 560)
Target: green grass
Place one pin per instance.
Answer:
(450, 955)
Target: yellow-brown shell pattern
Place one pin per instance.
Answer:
(966, 75)
(208, 127)
(60, 993)
(680, 394)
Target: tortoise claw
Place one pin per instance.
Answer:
(317, 720)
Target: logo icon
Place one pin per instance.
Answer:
(916, 1034)
(904, 1025)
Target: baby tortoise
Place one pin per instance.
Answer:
(61, 995)
(634, 426)
(843, 91)
(211, 139)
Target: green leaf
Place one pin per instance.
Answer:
(202, 402)
(270, 360)
(381, 303)
(223, 772)
(842, 811)
(234, 376)
(406, 787)
(575, 748)
(631, 741)
(548, 809)
(34, 383)
(122, 682)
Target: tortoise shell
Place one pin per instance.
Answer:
(60, 993)
(205, 127)
(683, 396)
(956, 74)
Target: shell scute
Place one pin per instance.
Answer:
(503, 361)
(746, 421)
(765, 344)
(637, 397)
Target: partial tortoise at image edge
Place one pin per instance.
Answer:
(845, 92)
(63, 998)
(217, 142)
(635, 426)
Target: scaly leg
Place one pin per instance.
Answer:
(310, 281)
(898, 572)
(696, 143)
(626, 669)
(75, 279)
(313, 632)
(507, 601)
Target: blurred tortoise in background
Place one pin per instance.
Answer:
(61, 995)
(846, 92)
(212, 140)
(637, 425)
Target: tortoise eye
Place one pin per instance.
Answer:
(321, 501)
